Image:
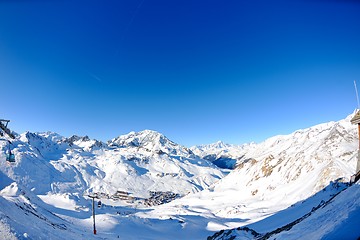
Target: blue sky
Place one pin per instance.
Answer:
(196, 71)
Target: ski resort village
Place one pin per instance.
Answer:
(142, 185)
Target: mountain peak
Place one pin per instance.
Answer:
(75, 138)
(216, 146)
(84, 142)
(150, 140)
(140, 139)
(220, 144)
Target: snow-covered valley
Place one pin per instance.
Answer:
(152, 188)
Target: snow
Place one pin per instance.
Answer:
(44, 194)
(336, 220)
(5, 230)
(62, 201)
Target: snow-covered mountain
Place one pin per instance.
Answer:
(222, 154)
(329, 149)
(151, 141)
(136, 163)
(133, 173)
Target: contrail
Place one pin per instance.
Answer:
(127, 27)
(95, 77)
(357, 94)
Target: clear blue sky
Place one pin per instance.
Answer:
(196, 71)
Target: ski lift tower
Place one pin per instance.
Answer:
(10, 157)
(93, 209)
(4, 127)
(356, 120)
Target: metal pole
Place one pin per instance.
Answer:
(93, 207)
(93, 211)
(359, 135)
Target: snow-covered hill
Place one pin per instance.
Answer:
(52, 176)
(330, 214)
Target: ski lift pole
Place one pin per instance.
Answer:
(93, 210)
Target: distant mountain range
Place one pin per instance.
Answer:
(137, 163)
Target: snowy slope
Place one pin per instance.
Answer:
(328, 149)
(334, 217)
(284, 175)
(339, 219)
